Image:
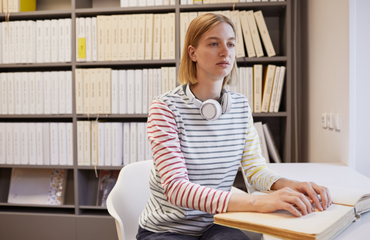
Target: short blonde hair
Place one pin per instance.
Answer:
(196, 29)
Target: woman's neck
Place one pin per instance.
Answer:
(204, 90)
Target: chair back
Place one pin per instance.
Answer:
(128, 198)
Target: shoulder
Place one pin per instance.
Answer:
(239, 99)
(172, 100)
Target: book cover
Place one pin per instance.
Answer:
(271, 146)
(107, 180)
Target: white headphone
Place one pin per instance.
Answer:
(211, 109)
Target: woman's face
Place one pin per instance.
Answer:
(215, 53)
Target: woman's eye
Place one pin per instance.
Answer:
(231, 45)
(214, 44)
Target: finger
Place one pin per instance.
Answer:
(289, 207)
(297, 201)
(323, 194)
(313, 195)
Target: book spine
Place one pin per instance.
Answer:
(184, 23)
(164, 80)
(94, 141)
(61, 40)
(126, 143)
(47, 40)
(2, 143)
(79, 91)
(47, 92)
(134, 36)
(171, 36)
(11, 95)
(101, 144)
(274, 89)
(108, 144)
(267, 88)
(99, 88)
(127, 37)
(86, 87)
(264, 33)
(54, 93)
(5, 42)
(23, 44)
(117, 144)
(26, 89)
(69, 143)
(108, 38)
(122, 82)
(86, 143)
(121, 39)
(92, 91)
(68, 79)
(94, 40)
(172, 78)
(39, 144)
(80, 143)
(107, 90)
(141, 37)
(18, 93)
(100, 37)
(54, 148)
(133, 142)
(114, 39)
(164, 36)
(39, 77)
(88, 25)
(157, 37)
(254, 32)
(46, 142)
(138, 91)
(115, 92)
(145, 92)
(32, 92)
(16, 143)
(140, 141)
(149, 36)
(257, 92)
(81, 40)
(9, 143)
(24, 142)
(280, 88)
(62, 137)
(62, 92)
(16, 39)
(130, 91)
(68, 40)
(54, 40)
(239, 37)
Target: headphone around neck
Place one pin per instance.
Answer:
(210, 109)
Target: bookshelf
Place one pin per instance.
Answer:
(79, 218)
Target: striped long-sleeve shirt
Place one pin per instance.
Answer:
(196, 161)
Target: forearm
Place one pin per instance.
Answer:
(242, 202)
(282, 183)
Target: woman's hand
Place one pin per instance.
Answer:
(309, 189)
(283, 199)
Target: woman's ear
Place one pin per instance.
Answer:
(191, 52)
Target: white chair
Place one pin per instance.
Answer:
(127, 199)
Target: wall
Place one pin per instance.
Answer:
(359, 158)
(325, 79)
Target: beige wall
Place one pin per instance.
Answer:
(325, 79)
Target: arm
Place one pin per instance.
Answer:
(290, 192)
(170, 164)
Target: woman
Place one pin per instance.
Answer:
(200, 133)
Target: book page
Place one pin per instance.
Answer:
(282, 222)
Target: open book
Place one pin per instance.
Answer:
(348, 204)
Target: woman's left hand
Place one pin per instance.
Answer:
(310, 189)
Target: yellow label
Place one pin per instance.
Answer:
(82, 48)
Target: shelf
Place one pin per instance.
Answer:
(35, 166)
(37, 205)
(100, 167)
(138, 63)
(262, 59)
(110, 116)
(52, 14)
(35, 65)
(268, 8)
(25, 117)
(85, 12)
(93, 207)
(278, 114)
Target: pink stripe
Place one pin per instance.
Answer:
(214, 193)
(196, 190)
(200, 197)
(205, 202)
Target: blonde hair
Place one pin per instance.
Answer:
(196, 29)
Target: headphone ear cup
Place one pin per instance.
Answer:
(226, 102)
